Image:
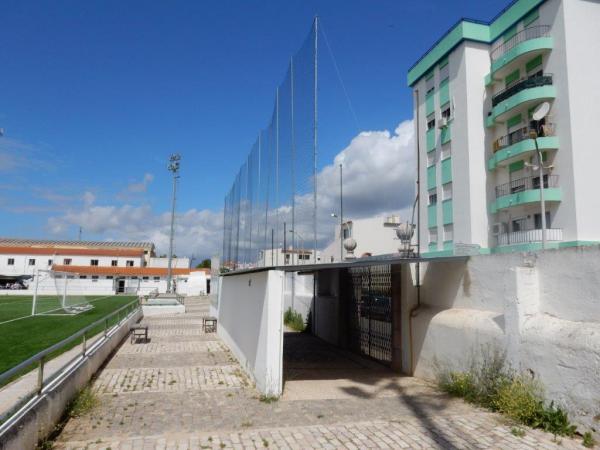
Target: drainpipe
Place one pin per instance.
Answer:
(414, 310)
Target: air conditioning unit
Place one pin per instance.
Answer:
(499, 228)
(443, 123)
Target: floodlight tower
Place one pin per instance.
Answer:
(174, 169)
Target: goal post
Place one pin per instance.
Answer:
(58, 293)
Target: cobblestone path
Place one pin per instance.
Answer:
(184, 390)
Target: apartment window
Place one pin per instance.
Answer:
(447, 191)
(446, 150)
(448, 232)
(67, 261)
(49, 262)
(70, 277)
(11, 261)
(519, 224)
(145, 278)
(32, 262)
(446, 112)
(156, 278)
(93, 262)
(433, 235)
(444, 72)
(134, 277)
(94, 278)
(537, 220)
(129, 263)
(431, 122)
(109, 277)
(536, 182)
(429, 85)
(114, 263)
(432, 197)
(82, 277)
(430, 158)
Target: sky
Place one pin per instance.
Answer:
(95, 95)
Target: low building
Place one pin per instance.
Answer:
(373, 235)
(93, 268)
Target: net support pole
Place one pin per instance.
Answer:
(35, 292)
(316, 31)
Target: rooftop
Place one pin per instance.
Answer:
(18, 242)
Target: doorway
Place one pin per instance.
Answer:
(120, 286)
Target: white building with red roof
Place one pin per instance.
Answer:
(94, 267)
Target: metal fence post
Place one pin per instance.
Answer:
(105, 327)
(83, 345)
(40, 381)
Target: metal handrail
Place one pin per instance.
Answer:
(41, 356)
(521, 134)
(525, 184)
(534, 32)
(523, 83)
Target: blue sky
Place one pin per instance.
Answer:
(95, 95)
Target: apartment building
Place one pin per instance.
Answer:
(475, 92)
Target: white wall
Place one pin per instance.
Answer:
(298, 292)
(179, 263)
(250, 322)
(542, 309)
(21, 265)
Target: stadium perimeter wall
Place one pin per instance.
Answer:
(40, 420)
(542, 309)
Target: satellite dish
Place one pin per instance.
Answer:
(541, 111)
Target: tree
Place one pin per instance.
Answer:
(205, 264)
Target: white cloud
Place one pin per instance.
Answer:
(142, 186)
(379, 174)
(197, 232)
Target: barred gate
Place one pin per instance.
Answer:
(370, 312)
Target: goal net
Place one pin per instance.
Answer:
(59, 293)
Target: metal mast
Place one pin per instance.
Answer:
(174, 169)
(315, 142)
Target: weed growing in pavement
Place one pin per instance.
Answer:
(517, 431)
(265, 443)
(268, 398)
(588, 440)
(83, 403)
(293, 319)
(493, 385)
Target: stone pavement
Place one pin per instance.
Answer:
(184, 390)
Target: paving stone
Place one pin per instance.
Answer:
(183, 390)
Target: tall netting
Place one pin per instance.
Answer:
(272, 204)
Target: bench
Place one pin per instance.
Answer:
(139, 332)
(209, 324)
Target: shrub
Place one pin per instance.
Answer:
(520, 399)
(489, 383)
(588, 440)
(293, 319)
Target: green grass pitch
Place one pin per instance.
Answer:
(22, 338)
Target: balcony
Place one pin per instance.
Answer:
(525, 190)
(507, 148)
(525, 92)
(525, 184)
(523, 45)
(528, 236)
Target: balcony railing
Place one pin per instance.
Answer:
(525, 83)
(521, 134)
(522, 36)
(526, 236)
(525, 184)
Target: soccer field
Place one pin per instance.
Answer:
(23, 335)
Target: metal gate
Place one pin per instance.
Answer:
(370, 312)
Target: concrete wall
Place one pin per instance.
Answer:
(542, 309)
(250, 321)
(40, 419)
(298, 293)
